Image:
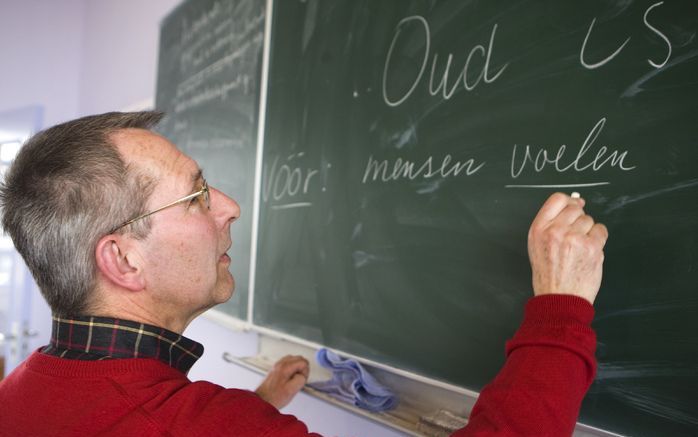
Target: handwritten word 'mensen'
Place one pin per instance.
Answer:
(405, 169)
(464, 75)
(581, 162)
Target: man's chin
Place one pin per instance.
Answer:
(225, 292)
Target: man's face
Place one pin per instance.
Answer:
(184, 255)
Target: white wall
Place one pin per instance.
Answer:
(40, 55)
(40, 64)
(119, 64)
(78, 57)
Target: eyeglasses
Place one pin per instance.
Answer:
(202, 192)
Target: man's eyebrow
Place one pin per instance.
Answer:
(197, 177)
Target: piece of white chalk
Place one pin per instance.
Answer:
(575, 195)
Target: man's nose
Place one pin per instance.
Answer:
(224, 208)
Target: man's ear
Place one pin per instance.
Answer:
(118, 265)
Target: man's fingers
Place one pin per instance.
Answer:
(570, 214)
(301, 367)
(555, 205)
(551, 208)
(291, 365)
(297, 382)
(287, 378)
(583, 224)
(599, 233)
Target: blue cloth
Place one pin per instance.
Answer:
(352, 383)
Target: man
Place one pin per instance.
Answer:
(128, 244)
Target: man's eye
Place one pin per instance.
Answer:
(198, 199)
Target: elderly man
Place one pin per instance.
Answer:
(128, 244)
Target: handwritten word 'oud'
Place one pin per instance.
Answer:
(464, 76)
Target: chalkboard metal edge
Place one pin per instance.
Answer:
(393, 370)
(423, 396)
(440, 395)
(403, 419)
(426, 394)
(261, 128)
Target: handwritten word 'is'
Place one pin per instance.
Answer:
(622, 46)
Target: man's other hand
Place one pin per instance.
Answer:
(284, 381)
(565, 248)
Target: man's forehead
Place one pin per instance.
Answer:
(154, 153)
(141, 142)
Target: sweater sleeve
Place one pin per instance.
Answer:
(204, 409)
(549, 368)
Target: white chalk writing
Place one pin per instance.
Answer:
(405, 169)
(542, 158)
(464, 75)
(288, 181)
(610, 57)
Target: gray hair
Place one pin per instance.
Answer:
(68, 187)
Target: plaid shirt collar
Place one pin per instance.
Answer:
(101, 338)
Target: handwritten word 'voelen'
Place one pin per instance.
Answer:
(543, 159)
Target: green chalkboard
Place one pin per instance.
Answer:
(408, 146)
(208, 84)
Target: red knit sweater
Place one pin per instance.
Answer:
(549, 367)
